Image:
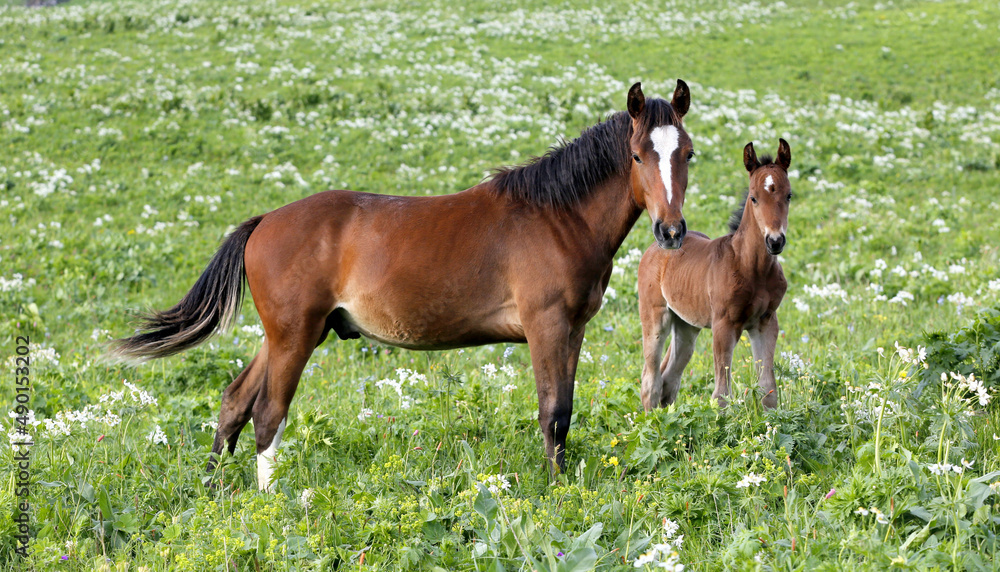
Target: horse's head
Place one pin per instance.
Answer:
(769, 194)
(661, 150)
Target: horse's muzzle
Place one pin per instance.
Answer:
(775, 245)
(670, 237)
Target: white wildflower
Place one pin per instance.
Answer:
(495, 483)
(157, 436)
(750, 479)
(99, 334)
(306, 497)
(253, 329)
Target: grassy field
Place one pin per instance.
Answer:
(134, 135)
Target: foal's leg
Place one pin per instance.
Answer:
(553, 348)
(682, 340)
(237, 404)
(655, 319)
(289, 350)
(724, 338)
(763, 340)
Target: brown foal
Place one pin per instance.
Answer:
(730, 284)
(522, 257)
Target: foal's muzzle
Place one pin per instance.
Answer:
(775, 244)
(669, 237)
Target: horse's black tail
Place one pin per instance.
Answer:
(214, 300)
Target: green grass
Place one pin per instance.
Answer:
(202, 114)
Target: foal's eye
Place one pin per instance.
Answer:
(753, 200)
(789, 197)
(636, 157)
(690, 156)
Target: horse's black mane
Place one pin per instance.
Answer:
(737, 214)
(571, 169)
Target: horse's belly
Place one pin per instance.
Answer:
(694, 316)
(434, 326)
(689, 300)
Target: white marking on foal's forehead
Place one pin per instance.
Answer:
(769, 184)
(665, 141)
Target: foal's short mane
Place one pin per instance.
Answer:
(569, 170)
(737, 214)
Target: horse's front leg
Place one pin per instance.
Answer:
(763, 340)
(655, 320)
(555, 349)
(724, 338)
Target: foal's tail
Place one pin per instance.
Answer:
(214, 300)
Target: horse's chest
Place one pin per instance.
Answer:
(592, 304)
(759, 309)
(589, 299)
(743, 307)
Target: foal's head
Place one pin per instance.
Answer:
(661, 150)
(769, 194)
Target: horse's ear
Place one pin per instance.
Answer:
(682, 98)
(636, 100)
(750, 158)
(784, 154)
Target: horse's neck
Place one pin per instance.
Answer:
(748, 242)
(610, 212)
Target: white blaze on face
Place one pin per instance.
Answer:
(265, 460)
(665, 141)
(768, 184)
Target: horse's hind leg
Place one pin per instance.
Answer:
(763, 340)
(655, 318)
(289, 349)
(237, 405)
(682, 341)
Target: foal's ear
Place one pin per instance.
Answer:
(682, 98)
(636, 100)
(750, 158)
(784, 154)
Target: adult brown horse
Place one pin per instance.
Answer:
(522, 257)
(730, 284)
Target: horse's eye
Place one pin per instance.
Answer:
(690, 156)
(753, 200)
(789, 198)
(636, 157)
